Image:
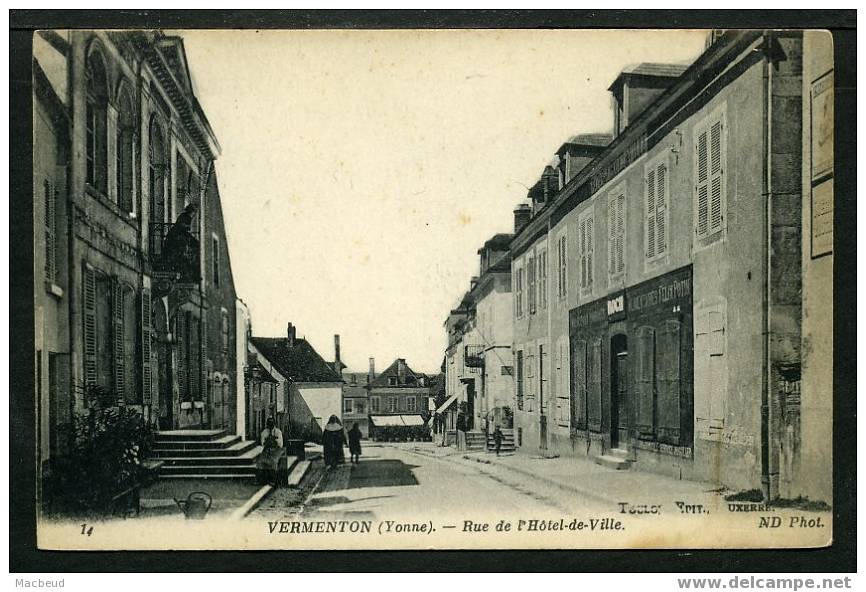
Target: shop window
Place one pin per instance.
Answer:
(616, 233)
(645, 382)
(96, 122)
(710, 175)
(594, 374)
(580, 384)
(656, 208)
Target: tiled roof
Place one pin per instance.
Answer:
(409, 379)
(591, 139)
(655, 69)
(300, 362)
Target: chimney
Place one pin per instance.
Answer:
(473, 281)
(522, 214)
(337, 362)
(401, 367)
(550, 183)
(372, 373)
(290, 334)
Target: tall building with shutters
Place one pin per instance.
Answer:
(137, 298)
(657, 284)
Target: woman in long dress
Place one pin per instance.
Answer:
(333, 439)
(355, 444)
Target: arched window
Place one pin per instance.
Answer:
(97, 129)
(124, 150)
(158, 158)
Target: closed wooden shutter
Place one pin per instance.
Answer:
(668, 381)
(50, 233)
(146, 335)
(661, 197)
(194, 358)
(716, 176)
(590, 250)
(646, 382)
(578, 384)
(117, 320)
(701, 184)
(89, 312)
(651, 214)
(620, 228)
(611, 236)
(594, 379)
(182, 338)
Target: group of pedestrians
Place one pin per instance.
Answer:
(334, 437)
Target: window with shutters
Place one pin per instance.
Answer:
(616, 233)
(215, 259)
(668, 405)
(656, 221)
(131, 389)
(645, 382)
(224, 330)
(585, 244)
(530, 274)
(50, 232)
(562, 266)
(594, 372)
(124, 150)
(710, 172)
(563, 390)
(146, 320)
(542, 278)
(710, 369)
(89, 326)
(518, 292)
(104, 332)
(579, 383)
(158, 170)
(519, 381)
(96, 122)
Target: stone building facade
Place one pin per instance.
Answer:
(137, 300)
(667, 279)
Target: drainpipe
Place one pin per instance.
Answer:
(766, 412)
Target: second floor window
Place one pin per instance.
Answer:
(215, 258)
(411, 404)
(542, 279)
(50, 232)
(96, 123)
(656, 210)
(530, 273)
(585, 244)
(124, 152)
(392, 404)
(375, 406)
(224, 330)
(616, 233)
(518, 290)
(562, 266)
(710, 186)
(347, 406)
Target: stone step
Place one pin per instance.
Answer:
(247, 458)
(244, 476)
(190, 435)
(236, 448)
(610, 461)
(200, 470)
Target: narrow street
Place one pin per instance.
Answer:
(394, 481)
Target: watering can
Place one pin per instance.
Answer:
(195, 506)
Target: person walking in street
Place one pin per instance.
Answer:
(333, 439)
(272, 450)
(497, 439)
(355, 444)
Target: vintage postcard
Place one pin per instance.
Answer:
(433, 289)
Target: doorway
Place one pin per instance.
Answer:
(618, 391)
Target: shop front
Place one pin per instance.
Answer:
(631, 369)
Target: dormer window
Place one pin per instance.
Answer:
(392, 381)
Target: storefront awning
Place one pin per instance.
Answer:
(386, 421)
(447, 404)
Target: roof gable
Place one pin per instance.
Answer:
(410, 378)
(299, 362)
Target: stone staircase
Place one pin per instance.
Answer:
(615, 458)
(475, 440)
(205, 454)
(508, 441)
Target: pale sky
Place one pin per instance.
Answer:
(361, 170)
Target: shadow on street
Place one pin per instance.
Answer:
(373, 473)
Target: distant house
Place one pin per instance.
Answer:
(398, 396)
(312, 390)
(356, 395)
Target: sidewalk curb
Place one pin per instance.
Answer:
(252, 503)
